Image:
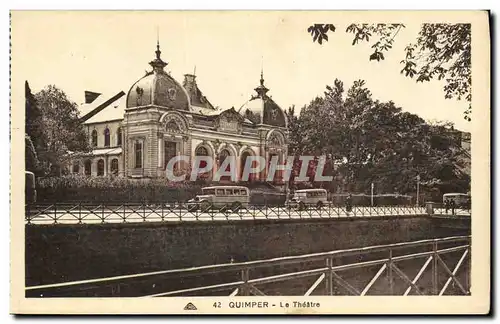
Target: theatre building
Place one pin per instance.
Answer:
(135, 134)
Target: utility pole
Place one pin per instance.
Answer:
(372, 194)
(287, 177)
(418, 188)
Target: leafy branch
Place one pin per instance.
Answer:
(319, 32)
(441, 51)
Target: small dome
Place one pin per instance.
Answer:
(261, 109)
(158, 88)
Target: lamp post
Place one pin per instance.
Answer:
(418, 188)
(372, 194)
(287, 177)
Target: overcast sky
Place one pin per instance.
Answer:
(107, 52)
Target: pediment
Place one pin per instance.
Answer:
(229, 121)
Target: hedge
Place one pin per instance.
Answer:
(378, 200)
(122, 190)
(75, 188)
(113, 189)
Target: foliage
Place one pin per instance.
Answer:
(31, 159)
(441, 51)
(378, 200)
(319, 32)
(79, 188)
(110, 182)
(59, 128)
(384, 33)
(34, 137)
(376, 142)
(112, 189)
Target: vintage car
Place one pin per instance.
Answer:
(220, 197)
(461, 200)
(305, 198)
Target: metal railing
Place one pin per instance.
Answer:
(84, 213)
(440, 209)
(324, 267)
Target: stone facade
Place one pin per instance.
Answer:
(162, 119)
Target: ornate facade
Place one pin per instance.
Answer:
(135, 135)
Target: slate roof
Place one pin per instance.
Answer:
(110, 109)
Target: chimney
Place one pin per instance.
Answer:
(190, 83)
(90, 96)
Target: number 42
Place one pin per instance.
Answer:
(217, 305)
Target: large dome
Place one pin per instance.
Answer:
(261, 109)
(158, 88)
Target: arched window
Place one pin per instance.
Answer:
(138, 154)
(76, 167)
(172, 127)
(88, 167)
(94, 138)
(202, 151)
(100, 167)
(277, 173)
(119, 137)
(223, 155)
(275, 140)
(253, 164)
(106, 137)
(114, 167)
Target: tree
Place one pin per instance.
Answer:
(62, 130)
(441, 51)
(374, 142)
(34, 137)
(30, 156)
(294, 139)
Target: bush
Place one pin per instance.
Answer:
(267, 199)
(378, 200)
(74, 188)
(113, 189)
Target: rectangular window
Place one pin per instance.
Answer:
(208, 191)
(119, 137)
(219, 192)
(169, 152)
(138, 155)
(106, 137)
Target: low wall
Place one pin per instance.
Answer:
(68, 252)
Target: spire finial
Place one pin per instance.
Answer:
(158, 63)
(194, 71)
(262, 71)
(158, 52)
(262, 90)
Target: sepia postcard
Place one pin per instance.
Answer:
(250, 162)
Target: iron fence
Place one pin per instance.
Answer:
(88, 213)
(440, 209)
(434, 277)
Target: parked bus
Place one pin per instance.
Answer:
(461, 200)
(220, 197)
(308, 197)
(30, 188)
